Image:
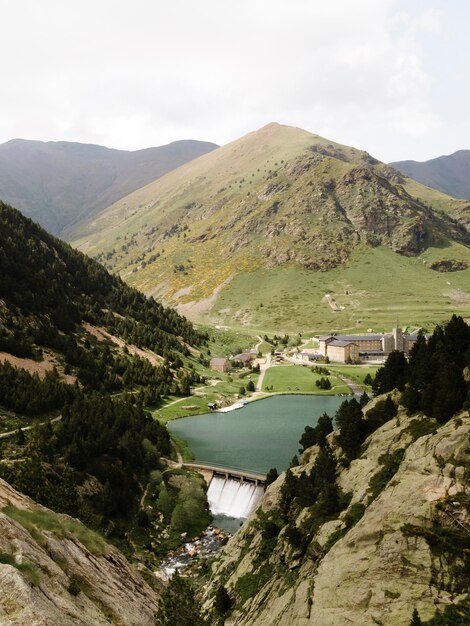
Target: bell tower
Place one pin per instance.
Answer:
(398, 340)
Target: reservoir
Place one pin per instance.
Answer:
(257, 437)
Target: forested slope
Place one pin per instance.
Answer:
(58, 306)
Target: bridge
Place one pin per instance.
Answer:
(209, 471)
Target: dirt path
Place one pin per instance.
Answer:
(260, 341)
(263, 369)
(356, 388)
(25, 428)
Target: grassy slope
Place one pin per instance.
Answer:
(459, 209)
(381, 284)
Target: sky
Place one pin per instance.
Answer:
(387, 76)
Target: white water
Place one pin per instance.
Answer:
(232, 498)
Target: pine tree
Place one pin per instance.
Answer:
(223, 602)
(178, 605)
(271, 476)
(415, 619)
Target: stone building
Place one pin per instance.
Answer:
(339, 350)
(368, 345)
(220, 364)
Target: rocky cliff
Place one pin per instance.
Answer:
(399, 545)
(53, 570)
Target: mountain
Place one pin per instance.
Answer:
(48, 289)
(60, 183)
(449, 174)
(258, 232)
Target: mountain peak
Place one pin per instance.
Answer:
(277, 198)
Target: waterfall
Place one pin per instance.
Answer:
(232, 498)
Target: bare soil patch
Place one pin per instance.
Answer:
(38, 367)
(102, 335)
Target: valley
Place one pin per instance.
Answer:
(121, 418)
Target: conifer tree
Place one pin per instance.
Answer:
(415, 619)
(178, 605)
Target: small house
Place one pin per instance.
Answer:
(220, 364)
(244, 358)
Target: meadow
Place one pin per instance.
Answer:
(298, 378)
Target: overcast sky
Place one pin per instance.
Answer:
(387, 76)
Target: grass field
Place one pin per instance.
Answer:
(265, 347)
(357, 373)
(225, 341)
(225, 391)
(371, 291)
(297, 378)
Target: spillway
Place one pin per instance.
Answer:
(233, 498)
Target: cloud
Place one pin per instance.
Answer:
(133, 74)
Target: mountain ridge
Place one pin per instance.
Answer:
(59, 183)
(447, 173)
(54, 570)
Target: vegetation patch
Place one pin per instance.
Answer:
(63, 527)
(351, 518)
(30, 571)
(390, 463)
(448, 538)
(248, 585)
(449, 265)
(420, 427)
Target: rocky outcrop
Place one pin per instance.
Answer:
(53, 570)
(378, 569)
(449, 265)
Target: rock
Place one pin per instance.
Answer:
(376, 572)
(35, 586)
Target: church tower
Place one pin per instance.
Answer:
(398, 340)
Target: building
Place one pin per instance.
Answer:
(309, 355)
(244, 358)
(220, 364)
(368, 345)
(343, 350)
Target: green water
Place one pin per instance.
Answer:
(259, 436)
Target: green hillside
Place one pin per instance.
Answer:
(82, 355)
(256, 233)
